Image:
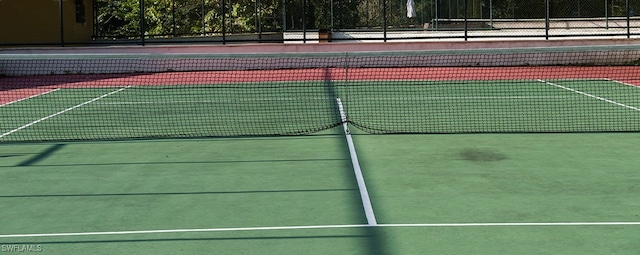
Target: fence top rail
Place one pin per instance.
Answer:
(533, 20)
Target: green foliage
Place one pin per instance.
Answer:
(174, 18)
(121, 18)
(117, 18)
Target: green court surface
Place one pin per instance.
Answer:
(455, 194)
(189, 184)
(505, 178)
(500, 167)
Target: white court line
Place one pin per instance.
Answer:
(215, 101)
(387, 98)
(465, 97)
(590, 95)
(183, 231)
(61, 112)
(425, 225)
(22, 99)
(513, 224)
(364, 194)
(620, 82)
(322, 98)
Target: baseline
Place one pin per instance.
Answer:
(438, 225)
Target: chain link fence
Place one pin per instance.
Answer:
(231, 21)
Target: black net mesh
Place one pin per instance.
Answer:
(78, 97)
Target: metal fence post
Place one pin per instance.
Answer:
(258, 20)
(304, 26)
(204, 21)
(436, 15)
(331, 25)
(61, 11)
(546, 20)
(628, 19)
(491, 13)
(284, 16)
(606, 15)
(384, 20)
(173, 18)
(142, 27)
(224, 21)
(466, 25)
(95, 17)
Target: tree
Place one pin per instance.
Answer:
(121, 18)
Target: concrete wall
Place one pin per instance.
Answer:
(143, 59)
(321, 47)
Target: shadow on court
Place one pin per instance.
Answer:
(38, 158)
(191, 239)
(42, 155)
(175, 193)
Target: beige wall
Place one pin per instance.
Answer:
(38, 22)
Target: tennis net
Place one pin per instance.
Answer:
(118, 96)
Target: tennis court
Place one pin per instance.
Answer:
(409, 157)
